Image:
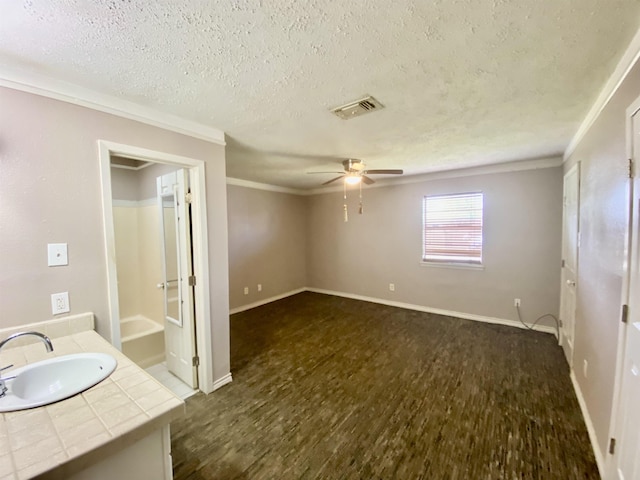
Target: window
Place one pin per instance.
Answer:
(452, 227)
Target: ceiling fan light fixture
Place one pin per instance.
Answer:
(353, 179)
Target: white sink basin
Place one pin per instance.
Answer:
(55, 379)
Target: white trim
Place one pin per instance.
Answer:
(148, 202)
(516, 166)
(461, 265)
(200, 247)
(438, 311)
(611, 466)
(409, 306)
(221, 382)
(76, 95)
(238, 182)
(626, 63)
(590, 429)
(265, 301)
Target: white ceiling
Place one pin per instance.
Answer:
(464, 82)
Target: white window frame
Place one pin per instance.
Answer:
(455, 259)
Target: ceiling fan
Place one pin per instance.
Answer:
(356, 171)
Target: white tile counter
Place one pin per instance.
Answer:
(63, 439)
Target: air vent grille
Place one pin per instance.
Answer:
(357, 108)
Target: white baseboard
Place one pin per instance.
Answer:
(592, 431)
(221, 382)
(265, 301)
(449, 313)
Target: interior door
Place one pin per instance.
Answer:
(627, 458)
(179, 328)
(570, 237)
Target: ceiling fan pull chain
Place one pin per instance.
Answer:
(360, 207)
(346, 214)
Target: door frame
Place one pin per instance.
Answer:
(610, 462)
(200, 240)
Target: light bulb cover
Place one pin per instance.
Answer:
(352, 179)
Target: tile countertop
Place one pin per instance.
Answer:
(58, 440)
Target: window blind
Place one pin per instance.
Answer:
(453, 228)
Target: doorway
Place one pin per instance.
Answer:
(570, 245)
(154, 165)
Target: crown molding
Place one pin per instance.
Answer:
(517, 166)
(238, 182)
(67, 92)
(626, 63)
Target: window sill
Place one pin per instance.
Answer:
(462, 266)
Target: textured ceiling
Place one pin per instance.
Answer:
(464, 82)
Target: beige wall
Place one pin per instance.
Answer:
(267, 243)
(51, 192)
(521, 253)
(603, 222)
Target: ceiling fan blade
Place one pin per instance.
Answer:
(367, 180)
(326, 172)
(333, 180)
(386, 172)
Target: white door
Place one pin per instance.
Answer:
(627, 454)
(570, 232)
(179, 330)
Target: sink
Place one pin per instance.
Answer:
(55, 379)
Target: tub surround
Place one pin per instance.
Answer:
(113, 428)
(142, 340)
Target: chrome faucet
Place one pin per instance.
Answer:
(47, 343)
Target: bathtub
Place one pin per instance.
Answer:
(142, 340)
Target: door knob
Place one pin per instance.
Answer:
(571, 283)
(160, 285)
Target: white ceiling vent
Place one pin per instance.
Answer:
(357, 108)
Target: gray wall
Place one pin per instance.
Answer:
(522, 232)
(267, 243)
(51, 192)
(604, 210)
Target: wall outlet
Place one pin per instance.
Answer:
(585, 366)
(246, 290)
(516, 302)
(392, 287)
(60, 303)
(259, 287)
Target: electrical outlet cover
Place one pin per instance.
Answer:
(60, 303)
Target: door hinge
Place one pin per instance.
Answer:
(625, 313)
(188, 197)
(196, 361)
(563, 263)
(192, 280)
(612, 446)
(631, 168)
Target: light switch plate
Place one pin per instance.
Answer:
(60, 303)
(57, 254)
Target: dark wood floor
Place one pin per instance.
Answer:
(332, 388)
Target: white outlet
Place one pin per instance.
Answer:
(585, 365)
(516, 302)
(246, 290)
(60, 303)
(259, 287)
(392, 287)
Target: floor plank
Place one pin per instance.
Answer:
(333, 388)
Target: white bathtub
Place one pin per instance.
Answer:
(142, 340)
